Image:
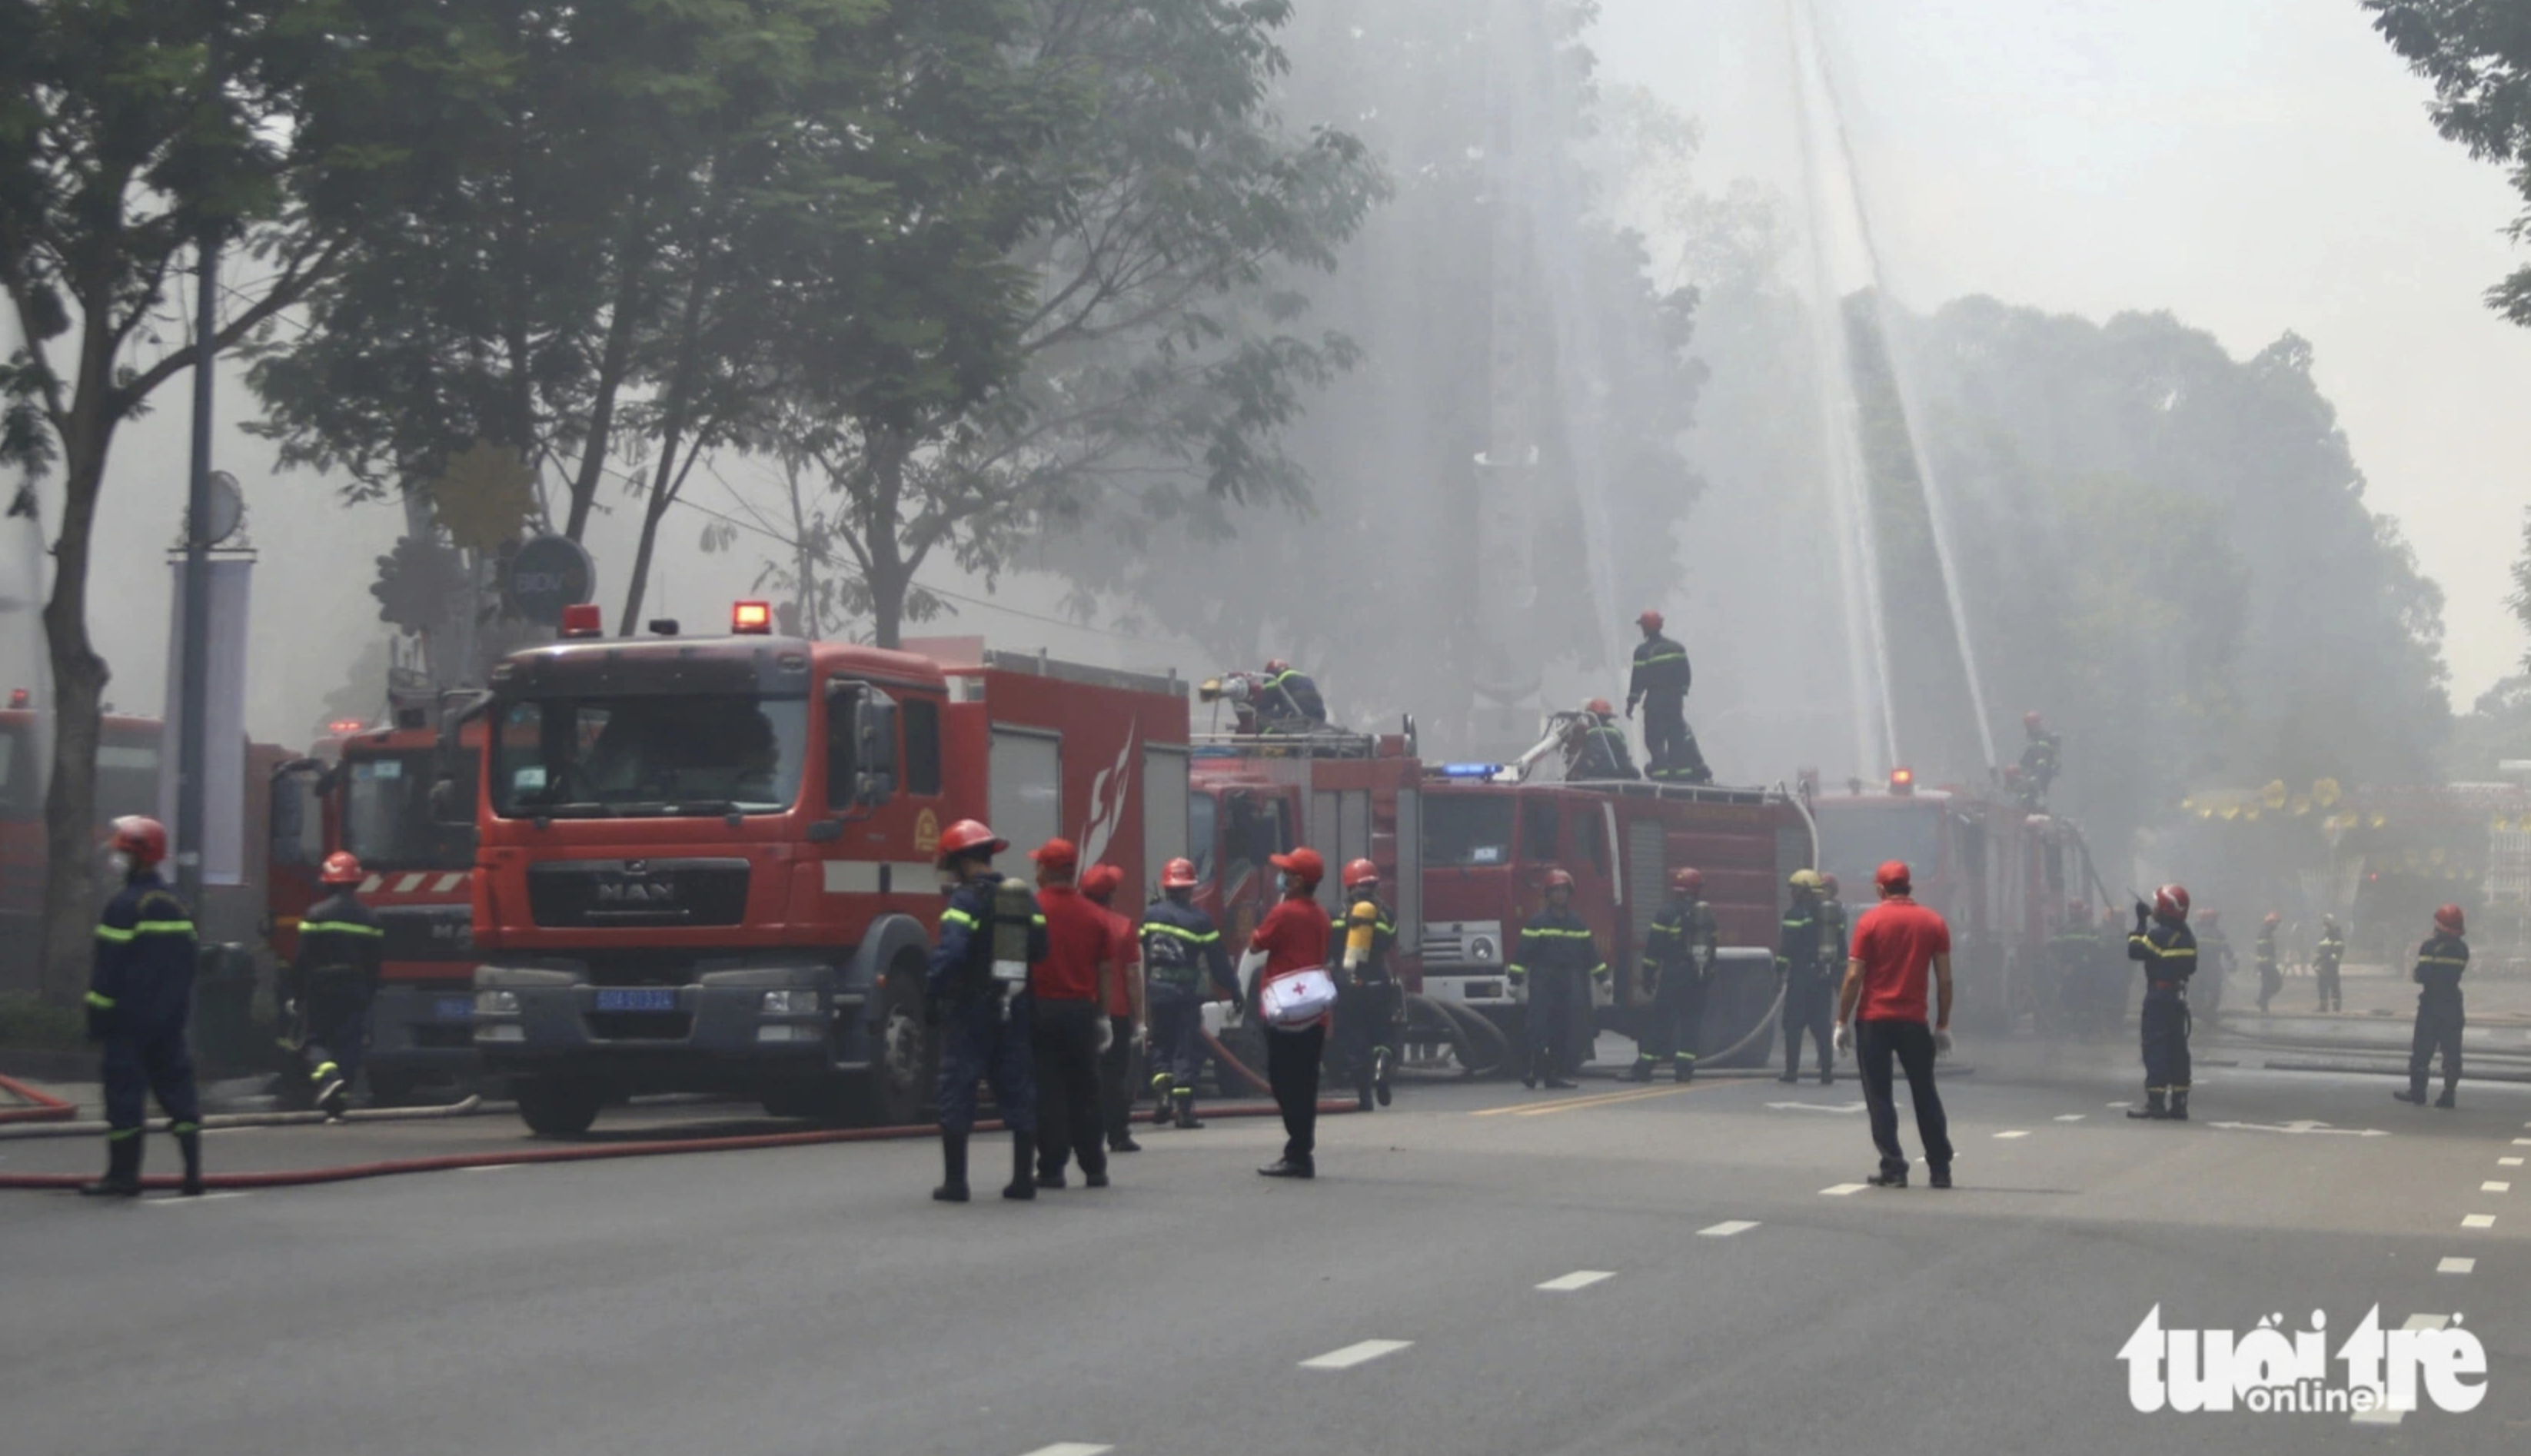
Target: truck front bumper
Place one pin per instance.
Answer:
(732, 1024)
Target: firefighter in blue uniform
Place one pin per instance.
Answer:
(2038, 765)
(2326, 958)
(138, 996)
(1599, 746)
(1181, 950)
(1560, 959)
(1678, 956)
(1288, 700)
(1810, 998)
(1369, 1007)
(2441, 961)
(328, 987)
(976, 991)
(2168, 953)
(1659, 682)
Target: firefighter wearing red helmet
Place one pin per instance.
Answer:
(1596, 748)
(1370, 1006)
(1659, 682)
(1181, 950)
(2038, 761)
(1679, 949)
(2441, 961)
(139, 992)
(327, 988)
(2163, 944)
(2271, 979)
(1291, 941)
(1558, 962)
(1288, 700)
(976, 989)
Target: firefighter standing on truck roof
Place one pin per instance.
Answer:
(1288, 700)
(1181, 947)
(1678, 955)
(2170, 956)
(2038, 761)
(328, 987)
(1599, 746)
(1072, 1027)
(2441, 961)
(1369, 1003)
(1809, 1004)
(977, 990)
(1123, 994)
(1659, 682)
(2271, 980)
(2326, 958)
(139, 993)
(1559, 958)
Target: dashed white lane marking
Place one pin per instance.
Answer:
(503, 1168)
(2378, 1416)
(2456, 1266)
(1071, 1448)
(2071, 1117)
(2119, 1104)
(2496, 1187)
(2479, 1220)
(2509, 1162)
(199, 1197)
(2015, 1132)
(2522, 1141)
(1353, 1354)
(1727, 1228)
(1843, 1189)
(1578, 1279)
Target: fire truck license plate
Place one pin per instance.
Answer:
(454, 1008)
(639, 1000)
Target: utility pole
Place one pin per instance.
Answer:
(191, 758)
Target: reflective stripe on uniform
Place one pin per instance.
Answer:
(1552, 935)
(163, 928)
(345, 928)
(1191, 938)
(955, 917)
(117, 936)
(100, 1002)
(1679, 656)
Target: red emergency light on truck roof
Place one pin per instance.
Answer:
(751, 619)
(1902, 781)
(582, 619)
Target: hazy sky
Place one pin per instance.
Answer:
(2252, 166)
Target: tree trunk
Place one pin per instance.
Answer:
(890, 577)
(78, 687)
(614, 362)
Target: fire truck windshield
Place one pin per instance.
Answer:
(386, 814)
(650, 754)
(127, 776)
(1464, 830)
(1856, 838)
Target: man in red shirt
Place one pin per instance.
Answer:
(1292, 937)
(1893, 945)
(1065, 1040)
(1121, 998)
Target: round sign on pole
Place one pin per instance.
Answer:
(548, 572)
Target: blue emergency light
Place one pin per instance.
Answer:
(1470, 771)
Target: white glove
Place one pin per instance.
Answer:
(1250, 965)
(1843, 1041)
(1943, 1041)
(1106, 1033)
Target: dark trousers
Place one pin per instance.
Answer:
(2439, 1020)
(1669, 744)
(1177, 1039)
(1912, 1044)
(138, 1068)
(1292, 1070)
(2271, 982)
(2326, 973)
(1677, 1015)
(1809, 1006)
(1366, 1025)
(1550, 1019)
(1117, 1088)
(2165, 1023)
(338, 1032)
(1065, 1046)
(978, 1044)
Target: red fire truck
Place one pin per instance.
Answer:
(706, 864)
(368, 790)
(1998, 873)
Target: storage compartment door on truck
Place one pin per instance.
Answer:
(1406, 896)
(1647, 881)
(1339, 829)
(1165, 831)
(1027, 792)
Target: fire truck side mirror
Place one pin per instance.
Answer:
(865, 718)
(443, 805)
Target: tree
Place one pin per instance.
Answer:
(128, 135)
(2477, 55)
(2521, 601)
(1154, 348)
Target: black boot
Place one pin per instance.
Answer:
(1023, 1184)
(2447, 1102)
(1683, 1067)
(122, 1178)
(1361, 1090)
(1788, 1075)
(1379, 1059)
(1185, 1100)
(1641, 1071)
(953, 1165)
(189, 1144)
(2179, 1104)
(2416, 1094)
(1163, 1087)
(2153, 1106)
(1529, 1069)
(1828, 1073)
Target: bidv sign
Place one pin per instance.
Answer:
(2269, 1370)
(549, 573)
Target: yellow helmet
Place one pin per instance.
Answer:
(1808, 879)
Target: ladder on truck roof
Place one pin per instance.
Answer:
(1319, 742)
(1038, 665)
(1628, 788)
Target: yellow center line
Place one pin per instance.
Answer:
(1579, 1104)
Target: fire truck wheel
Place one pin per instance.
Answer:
(903, 1057)
(555, 1108)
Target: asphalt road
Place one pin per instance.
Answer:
(816, 1301)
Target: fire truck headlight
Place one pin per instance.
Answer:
(496, 1003)
(789, 1003)
(1480, 949)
